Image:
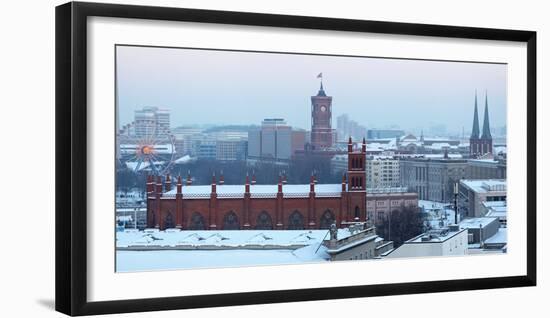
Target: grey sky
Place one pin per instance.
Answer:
(221, 87)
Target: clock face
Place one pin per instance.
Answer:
(323, 109)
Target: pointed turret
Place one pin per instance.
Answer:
(321, 90)
(486, 134)
(475, 127)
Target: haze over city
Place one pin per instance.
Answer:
(223, 87)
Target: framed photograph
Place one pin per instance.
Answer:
(214, 158)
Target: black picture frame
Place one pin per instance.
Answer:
(71, 157)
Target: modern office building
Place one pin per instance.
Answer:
(275, 141)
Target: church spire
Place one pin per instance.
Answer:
(486, 129)
(475, 128)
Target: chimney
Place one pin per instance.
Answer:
(178, 185)
(364, 146)
(280, 185)
(350, 145)
(312, 183)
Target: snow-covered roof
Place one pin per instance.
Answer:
(441, 156)
(437, 235)
(474, 223)
(484, 186)
(175, 238)
(258, 190)
(499, 237)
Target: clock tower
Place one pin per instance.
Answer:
(322, 134)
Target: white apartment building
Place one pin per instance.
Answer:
(382, 172)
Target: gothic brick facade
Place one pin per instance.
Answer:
(279, 206)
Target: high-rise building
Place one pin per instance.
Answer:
(346, 127)
(151, 122)
(274, 140)
(481, 146)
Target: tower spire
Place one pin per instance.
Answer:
(475, 128)
(321, 89)
(486, 134)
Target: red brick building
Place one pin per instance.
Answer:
(279, 206)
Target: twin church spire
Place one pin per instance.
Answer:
(481, 145)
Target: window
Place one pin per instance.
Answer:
(231, 221)
(263, 221)
(327, 219)
(196, 222)
(296, 221)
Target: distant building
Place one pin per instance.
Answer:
(382, 171)
(346, 128)
(432, 179)
(151, 122)
(274, 140)
(384, 133)
(440, 242)
(474, 193)
(231, 149)
(186, 138)
(207, 150)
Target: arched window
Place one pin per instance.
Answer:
(327, 219)
(196, 222)
(231, 221)
(169, 221)
(263, 221)
(296, 221)
(357, 213)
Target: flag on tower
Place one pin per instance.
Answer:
(320, 75)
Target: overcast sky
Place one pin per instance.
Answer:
(221, 87)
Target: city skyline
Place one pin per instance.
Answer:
(176, 79)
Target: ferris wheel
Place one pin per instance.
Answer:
(149, 153)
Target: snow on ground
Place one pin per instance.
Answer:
(130, 261)
(210, 249)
